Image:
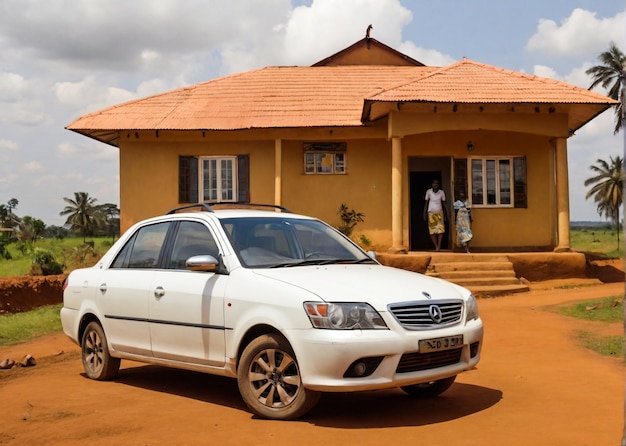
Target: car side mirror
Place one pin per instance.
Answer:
(372, 254)
(205, 262)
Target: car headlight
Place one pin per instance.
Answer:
(344, 316)
(472, 308)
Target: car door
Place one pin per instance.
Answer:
(186, 307)
(125, 287)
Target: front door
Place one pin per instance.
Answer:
(419, 183)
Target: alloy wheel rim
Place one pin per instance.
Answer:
(274, 378)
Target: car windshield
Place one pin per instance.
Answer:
(270, 242)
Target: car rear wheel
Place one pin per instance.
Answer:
(97, 361)
(429, 389)
(269, 380)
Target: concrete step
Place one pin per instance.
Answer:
(470, 266)
(451, 275)
(483, 274)
(485, 281)
(496, 290)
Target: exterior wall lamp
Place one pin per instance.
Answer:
(470, 146)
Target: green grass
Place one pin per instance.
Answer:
(605, 345)
(69, 252)
(21, 327)
(607, 310)
(601, 241)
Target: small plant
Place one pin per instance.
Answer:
(44, 263)
(365, 241)
(349, 219)
(4, 251)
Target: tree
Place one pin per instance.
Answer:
(7, 218)
(609, 75)
(31, 228)
(111, 217)
(84, 217)
(607, 189)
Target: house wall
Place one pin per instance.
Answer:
(366, 187)
(149, 171)
(149, 180)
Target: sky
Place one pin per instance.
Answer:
(61, 59)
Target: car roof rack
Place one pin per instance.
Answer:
(208, 207)
(205, 207)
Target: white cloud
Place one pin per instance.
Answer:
(577, 35)
(543, 71)
(426, 56)
(33, 167)
(12, 85)
(9, 145)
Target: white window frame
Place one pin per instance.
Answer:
(484, 160)
(325, 162)
(219, 178)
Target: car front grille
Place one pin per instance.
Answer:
(425, 315)
(413, 362)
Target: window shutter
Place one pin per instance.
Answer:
(243, 178)
(519, 182)
(187, 179)
(460, 177)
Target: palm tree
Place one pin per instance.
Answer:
(607, 189)
(610, 75)
(84, 216)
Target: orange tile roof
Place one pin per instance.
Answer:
(472, 82)
(264, 98)
(292, 97)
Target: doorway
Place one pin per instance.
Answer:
(421, 177)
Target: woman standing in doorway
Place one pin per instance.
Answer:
(463, 221)
(435, 213)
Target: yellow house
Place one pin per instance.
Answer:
(368, 127)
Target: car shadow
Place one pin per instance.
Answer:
(351, 410)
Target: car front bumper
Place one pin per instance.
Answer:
(324, 356)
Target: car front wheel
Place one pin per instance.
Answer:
(269, 380)
(97, 361)
(429, 389)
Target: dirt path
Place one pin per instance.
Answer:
(534, 386)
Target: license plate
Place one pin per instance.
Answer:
(438, 344)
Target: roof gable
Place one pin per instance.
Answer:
(368, 51)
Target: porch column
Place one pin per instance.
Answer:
(562, 196)
(396, 195)
(278, 172)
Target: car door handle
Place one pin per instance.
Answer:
(159, 292)
(103, 288)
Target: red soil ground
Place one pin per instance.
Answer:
(535, 385)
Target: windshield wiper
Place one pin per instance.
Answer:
(355, 261)
(321, 262)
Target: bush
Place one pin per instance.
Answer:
(349, 219)
(44, 263)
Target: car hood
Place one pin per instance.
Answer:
(376, 284)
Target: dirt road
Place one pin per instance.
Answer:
(533, 386)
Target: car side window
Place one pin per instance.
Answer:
(144, 248)
(192, 239)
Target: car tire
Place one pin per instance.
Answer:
(97, 361)
(429, 389)
(269, 380)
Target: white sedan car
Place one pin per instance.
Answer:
(282, 302)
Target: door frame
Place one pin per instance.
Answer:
(421, 173)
